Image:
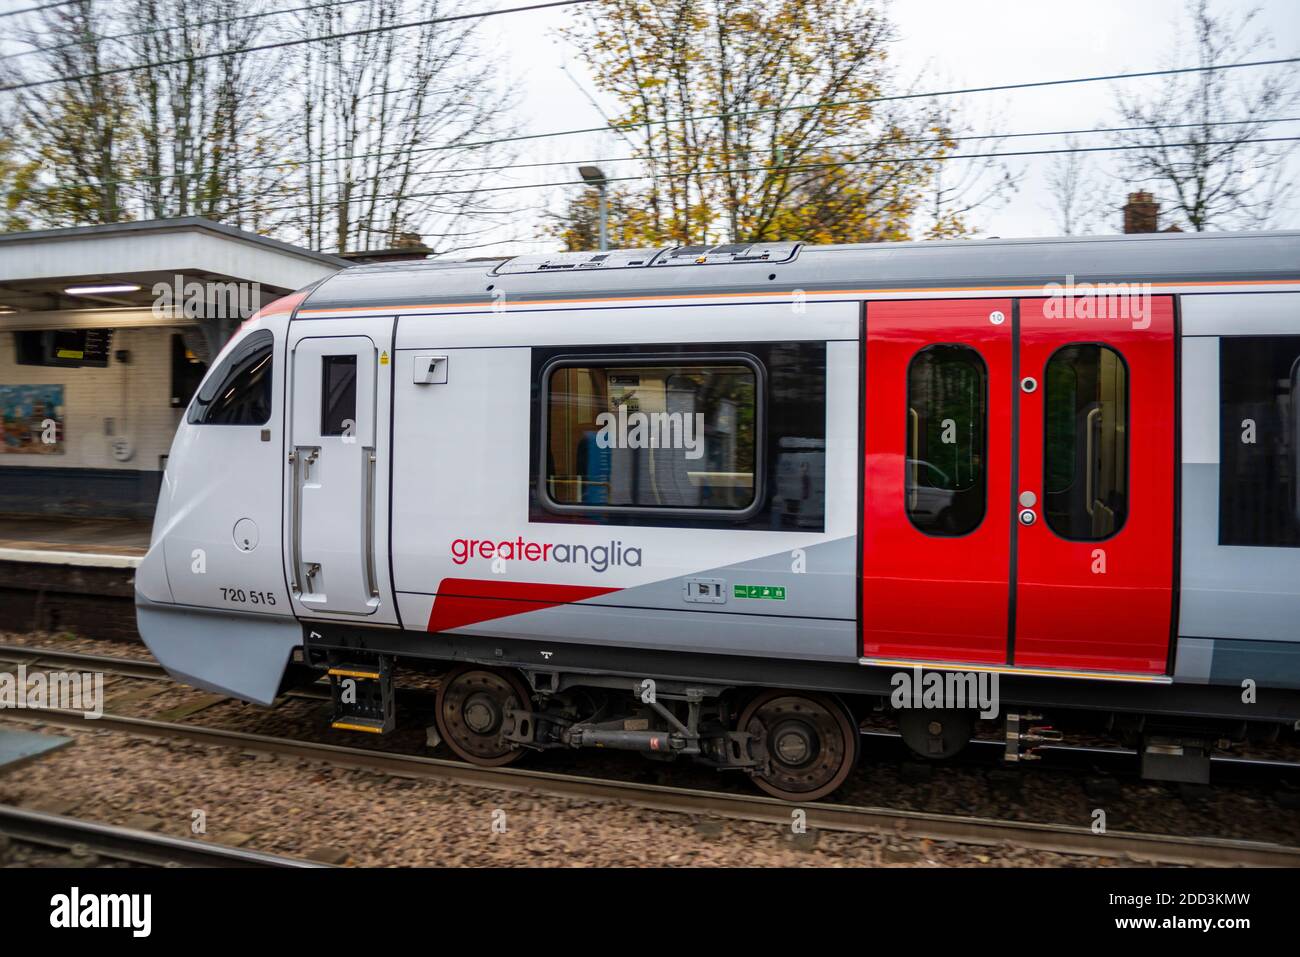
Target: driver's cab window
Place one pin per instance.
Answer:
(239, 390)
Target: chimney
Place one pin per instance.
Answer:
(406, 246)
(1141, 213)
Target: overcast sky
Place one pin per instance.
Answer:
(943, 44)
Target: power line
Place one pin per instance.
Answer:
(804, 167)
(480, 144)
(508, 167)
(620, 127)
(799, 168)
(296, 41)
(216, 21)
(46, 6)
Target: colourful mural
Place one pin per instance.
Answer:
(31, 419)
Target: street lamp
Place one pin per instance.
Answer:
(593, 176)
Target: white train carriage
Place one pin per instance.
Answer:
(713, 501)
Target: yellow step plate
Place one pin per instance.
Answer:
(354, 673)
(358, 724)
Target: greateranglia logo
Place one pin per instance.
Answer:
(597, 557)
(652, 430)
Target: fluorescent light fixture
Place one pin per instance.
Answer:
(102, 290)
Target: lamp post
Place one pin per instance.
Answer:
(595, 177)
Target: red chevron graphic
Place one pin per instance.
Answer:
(466, 601)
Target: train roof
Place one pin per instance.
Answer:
(703, 271)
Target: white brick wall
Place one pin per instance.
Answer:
(136, 396)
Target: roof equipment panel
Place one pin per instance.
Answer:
(731, 253)
(576, 262)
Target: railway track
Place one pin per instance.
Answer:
(135, 847)
(108, 664)
(990, 748)
(105, 664)
(1063, 839)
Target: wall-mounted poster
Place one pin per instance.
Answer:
(31, 419)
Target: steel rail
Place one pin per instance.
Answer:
(37, 657)
(1058, 838)
(127, 844)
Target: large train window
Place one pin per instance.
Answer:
(679, 435)
(947, 426)
(238, 392)
(1085, 442)
(1258, 398)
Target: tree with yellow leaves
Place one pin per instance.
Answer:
(760, 121)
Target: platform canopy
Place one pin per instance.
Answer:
(65, 278)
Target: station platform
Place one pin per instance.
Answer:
(90, 543)
(73, 575)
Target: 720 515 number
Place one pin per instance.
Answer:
(248, 596)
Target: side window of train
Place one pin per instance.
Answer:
(338, 414)
(680, 434)
(947, 438)
(1259, 415)
(1085, 442)
(239, 391)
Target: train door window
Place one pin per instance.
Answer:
(238, 392)
(947, 426)
(1259, 402)
(338, 414)
(1085, 442)
(680, 435)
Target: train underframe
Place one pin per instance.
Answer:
(797, 734)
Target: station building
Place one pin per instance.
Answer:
(105, 332)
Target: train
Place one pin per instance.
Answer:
(725, 503)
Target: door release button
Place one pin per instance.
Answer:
(1028, 516)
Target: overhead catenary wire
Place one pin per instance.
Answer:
(803, 167)
(44, 6)
(292, 42)
(215, 21)
(627, 126)
(619, 128)
(508, 167)
(790, 168)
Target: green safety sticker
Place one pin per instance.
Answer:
(776, 592)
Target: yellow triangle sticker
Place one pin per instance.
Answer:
(383, 358)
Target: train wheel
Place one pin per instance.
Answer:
(471, 709)
(809, 742)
